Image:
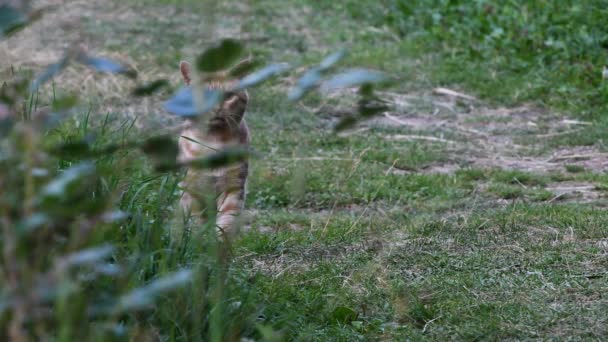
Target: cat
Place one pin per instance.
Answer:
(221, 128)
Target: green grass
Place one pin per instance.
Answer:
(352, 237)
(548, 52)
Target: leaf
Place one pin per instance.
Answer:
(108, 269)
(243, 68)
(68, 180)
(87, 257)
(181, 103)
(64, 103)
(161, 145)
(305, 84)
(32, 223)
(261, 75)
(331, 60)
(103, 64)
(345, 123)
(184, 103)
(73, 149)
(150, 88)
(367, 109)
(343, 315)
(222, 158)
(366, 90)
(220, 56)
(206, 99)
(312, 78)
(114, 216)
(143, 297)
(50, 72)
(354, 77)
(370, 104)
(11, 20)
(163, 150)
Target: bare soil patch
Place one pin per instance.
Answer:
(477, 135)
(133, 33)
(574, 191)
(490, 137)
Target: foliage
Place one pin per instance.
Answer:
(510, 51)
(74, 246)
(357, 236)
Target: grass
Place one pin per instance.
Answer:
(353, 237)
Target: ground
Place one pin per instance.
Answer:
(447, 217)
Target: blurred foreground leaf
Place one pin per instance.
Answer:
(312, 78)
(220, 57)
(368, 105)
(162, 150)
(331, 60)
(143, 297)
(64, 103)
(243, 68)
(186, 103)
(181, 103)
(114, 216)
(222, 158)
(262, 75)
(372, 109)
(88, 256)
(103, 64)
(69, 180)
(206, 99)
(353, 78)
(150, 88)
(50, 72)
(11, 20)
(346, 123)
(32, 223)
(73, 149)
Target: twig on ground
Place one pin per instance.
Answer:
(576, 122)
(576, 157)
(396, 119)
(426, 325)
(418, 137)
(557, 134)
(449, 92)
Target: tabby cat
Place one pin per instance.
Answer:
(221, 128)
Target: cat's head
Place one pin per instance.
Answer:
(231, 110)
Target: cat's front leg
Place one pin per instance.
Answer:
(228, 209)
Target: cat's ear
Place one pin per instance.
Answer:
(186, 70)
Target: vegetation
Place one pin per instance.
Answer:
(549, 50)
(448, 218)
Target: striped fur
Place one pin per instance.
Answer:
(222, 128)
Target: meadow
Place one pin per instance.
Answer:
(472, 209)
